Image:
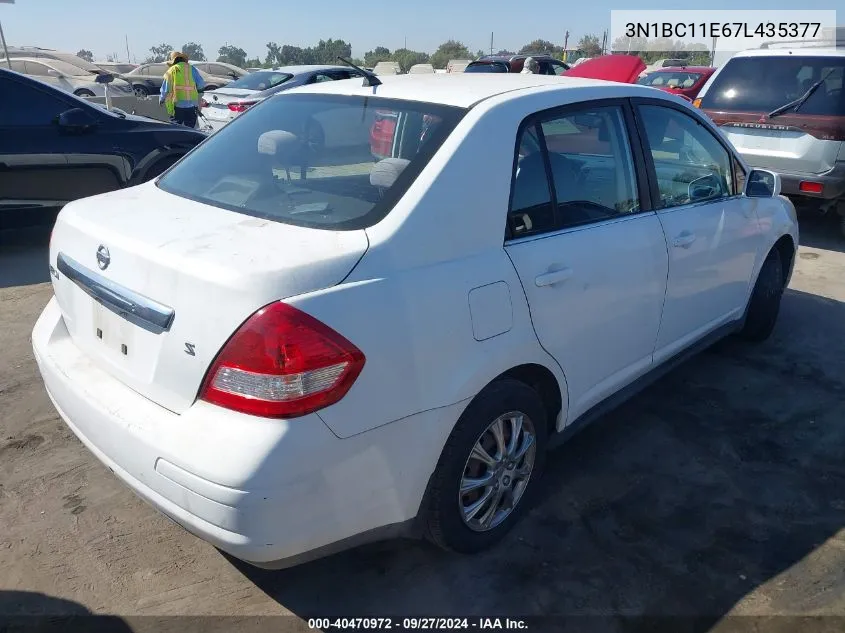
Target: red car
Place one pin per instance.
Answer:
(684, 81)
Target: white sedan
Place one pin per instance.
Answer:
(289, 350)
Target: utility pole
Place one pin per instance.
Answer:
(491, 42)
(128, 56)
(566, 46)
(3, 37)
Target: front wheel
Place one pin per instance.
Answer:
(764, 305)
(489, 467)
(140, 91)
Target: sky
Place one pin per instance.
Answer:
(101, 26)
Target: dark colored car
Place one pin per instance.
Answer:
(55, 147)
(514, 64)
(684, 81)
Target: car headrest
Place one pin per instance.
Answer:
(385, 172)
(278, 143)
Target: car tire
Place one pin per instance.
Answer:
(449, 519)
(140, 91)
(82, 92)
(764, 304)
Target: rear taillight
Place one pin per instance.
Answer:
(806, 186)
(203, 103)
(241, 106)
(282, 363)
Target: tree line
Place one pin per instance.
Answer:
(327, 52)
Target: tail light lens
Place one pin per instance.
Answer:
(241, 106)
(282, 363)
(806, 186)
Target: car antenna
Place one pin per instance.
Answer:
(369, 78)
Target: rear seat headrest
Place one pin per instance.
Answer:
(385, 172)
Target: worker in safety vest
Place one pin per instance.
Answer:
(180, 90)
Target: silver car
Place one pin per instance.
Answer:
(784, 110)
(221, 106)
(67, 77)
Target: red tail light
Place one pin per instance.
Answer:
(203, 103)
(241, 106)
(810, 187)
(282, 363)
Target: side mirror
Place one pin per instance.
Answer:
(54, 73)
(76, 120)
(104, 78)
(762, 183)
(234, 75)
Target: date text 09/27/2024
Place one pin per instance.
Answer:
(417, 624)
(680, 30)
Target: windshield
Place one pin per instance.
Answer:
(64, 67)
(487, 67)
(260, 80)
(322, 161)
(763, 84)
(670, 79)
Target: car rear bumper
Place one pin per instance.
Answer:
(833, 183)
(271, 492)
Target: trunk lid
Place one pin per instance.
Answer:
(179, 278)
(620, 68)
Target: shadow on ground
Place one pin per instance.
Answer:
(821, 231)
(24, 255)
(719, 480)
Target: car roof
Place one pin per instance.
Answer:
(793, 52)
(304, 68)
(694, 69)
(456, 89)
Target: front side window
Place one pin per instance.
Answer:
(42, 108)
(690, 163)
(311, 160)
(37, 69)
(592, 172)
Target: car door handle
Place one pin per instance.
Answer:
(684, 240)
(552, 278)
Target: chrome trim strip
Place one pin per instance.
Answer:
(135, 308)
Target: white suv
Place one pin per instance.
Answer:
(289, 347)
(784, 110)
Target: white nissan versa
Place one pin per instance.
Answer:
(290, 346)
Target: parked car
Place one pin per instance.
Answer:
(387, 68)
(67, 77)
(457, 65)
(59, 147)
(421, 69)
(221, 69)
(221, 106)
(213, 338)
(784, 110)
(116, 68)
(514, 64)
(35, 52)
(146, 80)
(684, 81)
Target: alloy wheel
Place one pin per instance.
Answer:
(497, 471)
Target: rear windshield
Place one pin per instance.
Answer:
(762, 84)
(323, 161)
(486, 67)
(261, 80)
(670, 79)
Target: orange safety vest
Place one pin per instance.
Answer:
(180, 86)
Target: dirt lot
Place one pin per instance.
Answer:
(719, 490)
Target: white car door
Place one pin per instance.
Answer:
(712, 231)
(591, 258)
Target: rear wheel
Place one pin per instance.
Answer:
(82, 92)
(140, 91)
(764, 305)
(488, 469)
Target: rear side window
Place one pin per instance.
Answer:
(487, 67)
(587, 155)
(322, 161)
(762, 84)
(670, 79)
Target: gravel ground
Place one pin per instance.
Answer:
(719, 490)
